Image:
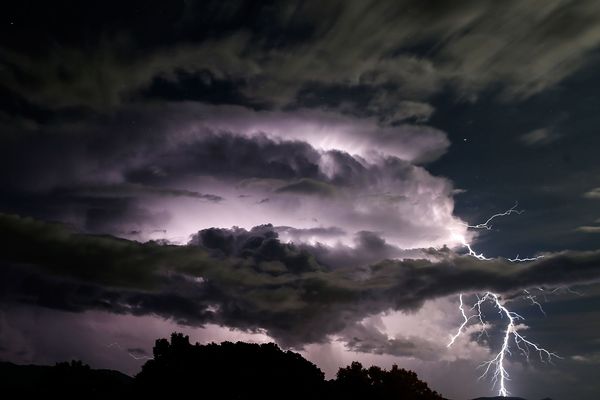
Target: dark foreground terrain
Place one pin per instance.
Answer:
(503, 398)
(64, 380)
(226, 371)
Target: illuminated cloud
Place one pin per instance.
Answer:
(200, 166)
(250, 280)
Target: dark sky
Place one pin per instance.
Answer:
(304, 172)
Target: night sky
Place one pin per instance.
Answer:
(304, 172)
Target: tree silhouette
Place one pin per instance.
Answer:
(227, 370)
(356, 382)
(252, 371)
(233, 370)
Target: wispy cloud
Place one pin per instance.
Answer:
(592, 194)
(588, 229)
(539, 137)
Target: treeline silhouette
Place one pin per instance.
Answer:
(225, 371)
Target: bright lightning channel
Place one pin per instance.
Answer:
(487, 224)
(500, 375)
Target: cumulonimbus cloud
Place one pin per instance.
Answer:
(246, 167)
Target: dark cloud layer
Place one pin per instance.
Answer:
(248, 279)
(273, 50)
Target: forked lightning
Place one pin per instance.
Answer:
(497, 364)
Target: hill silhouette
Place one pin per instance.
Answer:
(73, 380)
(227, 370)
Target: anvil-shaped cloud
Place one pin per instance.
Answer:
(188, 167)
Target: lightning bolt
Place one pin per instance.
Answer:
(497, 364)
(487, 224)
(518, 259)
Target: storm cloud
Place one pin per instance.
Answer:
(115, 177)
(249, 279)
(304, 172)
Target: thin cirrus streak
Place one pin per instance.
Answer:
(497, 364)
